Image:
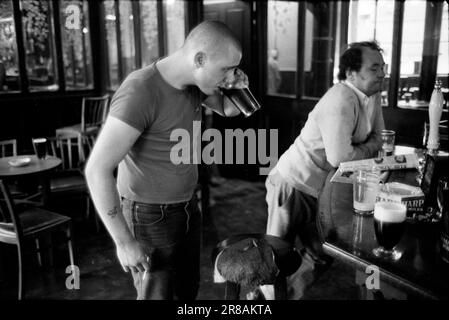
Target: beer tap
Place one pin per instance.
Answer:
(435, 111)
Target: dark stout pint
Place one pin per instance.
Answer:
(388, 233)
(40, 147)
(389, 225)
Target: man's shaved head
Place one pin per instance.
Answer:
(211, 37)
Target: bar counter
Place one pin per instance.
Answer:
(419, 274)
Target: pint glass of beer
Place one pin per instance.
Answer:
(40, 147)
(365, 190)
(388, 139)
(389, 225)
(243, 99)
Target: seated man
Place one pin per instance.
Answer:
(345, 125)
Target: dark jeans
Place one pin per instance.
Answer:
(171, 236)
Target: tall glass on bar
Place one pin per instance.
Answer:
(365, 190)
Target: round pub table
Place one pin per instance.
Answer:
(35, 166)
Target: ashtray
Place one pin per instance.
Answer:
(19, 162)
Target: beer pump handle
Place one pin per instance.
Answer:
(435, 111)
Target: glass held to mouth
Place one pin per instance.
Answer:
(243, 99)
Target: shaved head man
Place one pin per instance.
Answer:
(151, 211)
(212, 37)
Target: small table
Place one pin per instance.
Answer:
(38, 167)
(351, 238)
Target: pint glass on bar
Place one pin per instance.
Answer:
(365, 189)
(388, 140)
(389, 225)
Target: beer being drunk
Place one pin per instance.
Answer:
(243, 99)
(389, 226)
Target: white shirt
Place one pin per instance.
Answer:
(336, 131)
(364, 102)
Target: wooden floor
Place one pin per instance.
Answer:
(237, 206)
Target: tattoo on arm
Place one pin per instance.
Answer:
(113, 212)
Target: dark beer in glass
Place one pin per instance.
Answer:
(243, 99)
(389, 226)
(40, 147)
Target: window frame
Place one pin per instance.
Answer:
(431, 29)
(24, 90)
(99, 50)
(191, 17)
(301, 47)
(299, 98)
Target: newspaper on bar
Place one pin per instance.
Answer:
(396, 162)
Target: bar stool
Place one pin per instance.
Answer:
(284, 258)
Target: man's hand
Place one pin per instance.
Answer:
(132, 256)
(236, 78)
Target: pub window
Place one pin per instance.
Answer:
(9, 64)
(38, 34)
(414, 36)
(373, 20)
(319, 44)
(76, 50)
(111, 42)
(36, 54)
(139, 32)
(427, 48)
(127, 37)
(149, 32)
(175, 24)
(282, 39)
(411, 51)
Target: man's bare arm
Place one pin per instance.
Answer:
(113, 143)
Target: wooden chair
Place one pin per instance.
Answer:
(32, 223)
(94, 111)
(70, 178)
(8, 148)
